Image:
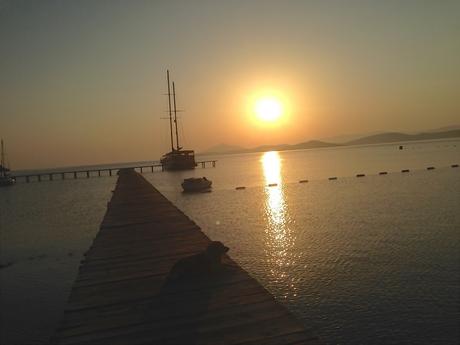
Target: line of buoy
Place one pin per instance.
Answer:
(357, 175)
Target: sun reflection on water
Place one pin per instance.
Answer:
(280, 239)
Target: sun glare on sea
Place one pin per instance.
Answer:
(268, 109)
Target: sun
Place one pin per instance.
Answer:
(268, 109)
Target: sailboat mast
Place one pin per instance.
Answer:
(170, 113)
(2, 164)
(175, 116)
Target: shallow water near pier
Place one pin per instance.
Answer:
(361, 260)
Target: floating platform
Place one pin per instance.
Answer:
(119, 296)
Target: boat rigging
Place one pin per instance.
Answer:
(177, 158)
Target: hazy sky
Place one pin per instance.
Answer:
(83, 82)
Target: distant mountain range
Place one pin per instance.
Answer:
(444, 129)
(393, 137)
(381, 138)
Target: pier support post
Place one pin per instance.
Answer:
(75, 174)
(63, 176)
(39, 178)
(142, 170)
(87, 174)
(213, 164)
(99, 173)
(51, 177)
(27, 179)
(152, 168)
(110, 172)
(203, 164)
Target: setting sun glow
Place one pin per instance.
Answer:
(268, 109)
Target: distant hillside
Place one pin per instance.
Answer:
(222, 148)
(444, 129)
(391, 137)
(313, 144)
(340, 139)
(400, 137)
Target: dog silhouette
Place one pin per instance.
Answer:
(199, 265)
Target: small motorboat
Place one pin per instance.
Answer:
(196, 185)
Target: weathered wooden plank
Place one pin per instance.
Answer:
(198, 331)
(120, 295)
(151, 318)
(243, 295)
(125, 269)
(127, 290)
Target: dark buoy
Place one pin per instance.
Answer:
(332, 178)
(405, 170)
(454, 165)
(430, 168)
(400, 147)
(240, 188)
(383, 173)
(272, 184)
(360, 175)
(303, 181)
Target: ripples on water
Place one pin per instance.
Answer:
(358, 260)
(44, 230)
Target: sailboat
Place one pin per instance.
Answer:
(177, 158)
(5, 178)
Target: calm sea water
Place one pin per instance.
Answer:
(358, 260)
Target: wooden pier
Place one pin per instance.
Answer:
(119, 296)
(87, 173)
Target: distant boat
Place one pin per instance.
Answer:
(177, 158)
(196, 184)
(5, 178)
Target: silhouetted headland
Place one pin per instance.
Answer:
(390, 137)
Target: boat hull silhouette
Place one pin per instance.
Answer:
(178, 160)
(196, 185)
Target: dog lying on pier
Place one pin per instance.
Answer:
(199, 265)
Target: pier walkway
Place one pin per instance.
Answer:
(93, 172)
(119, 296)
